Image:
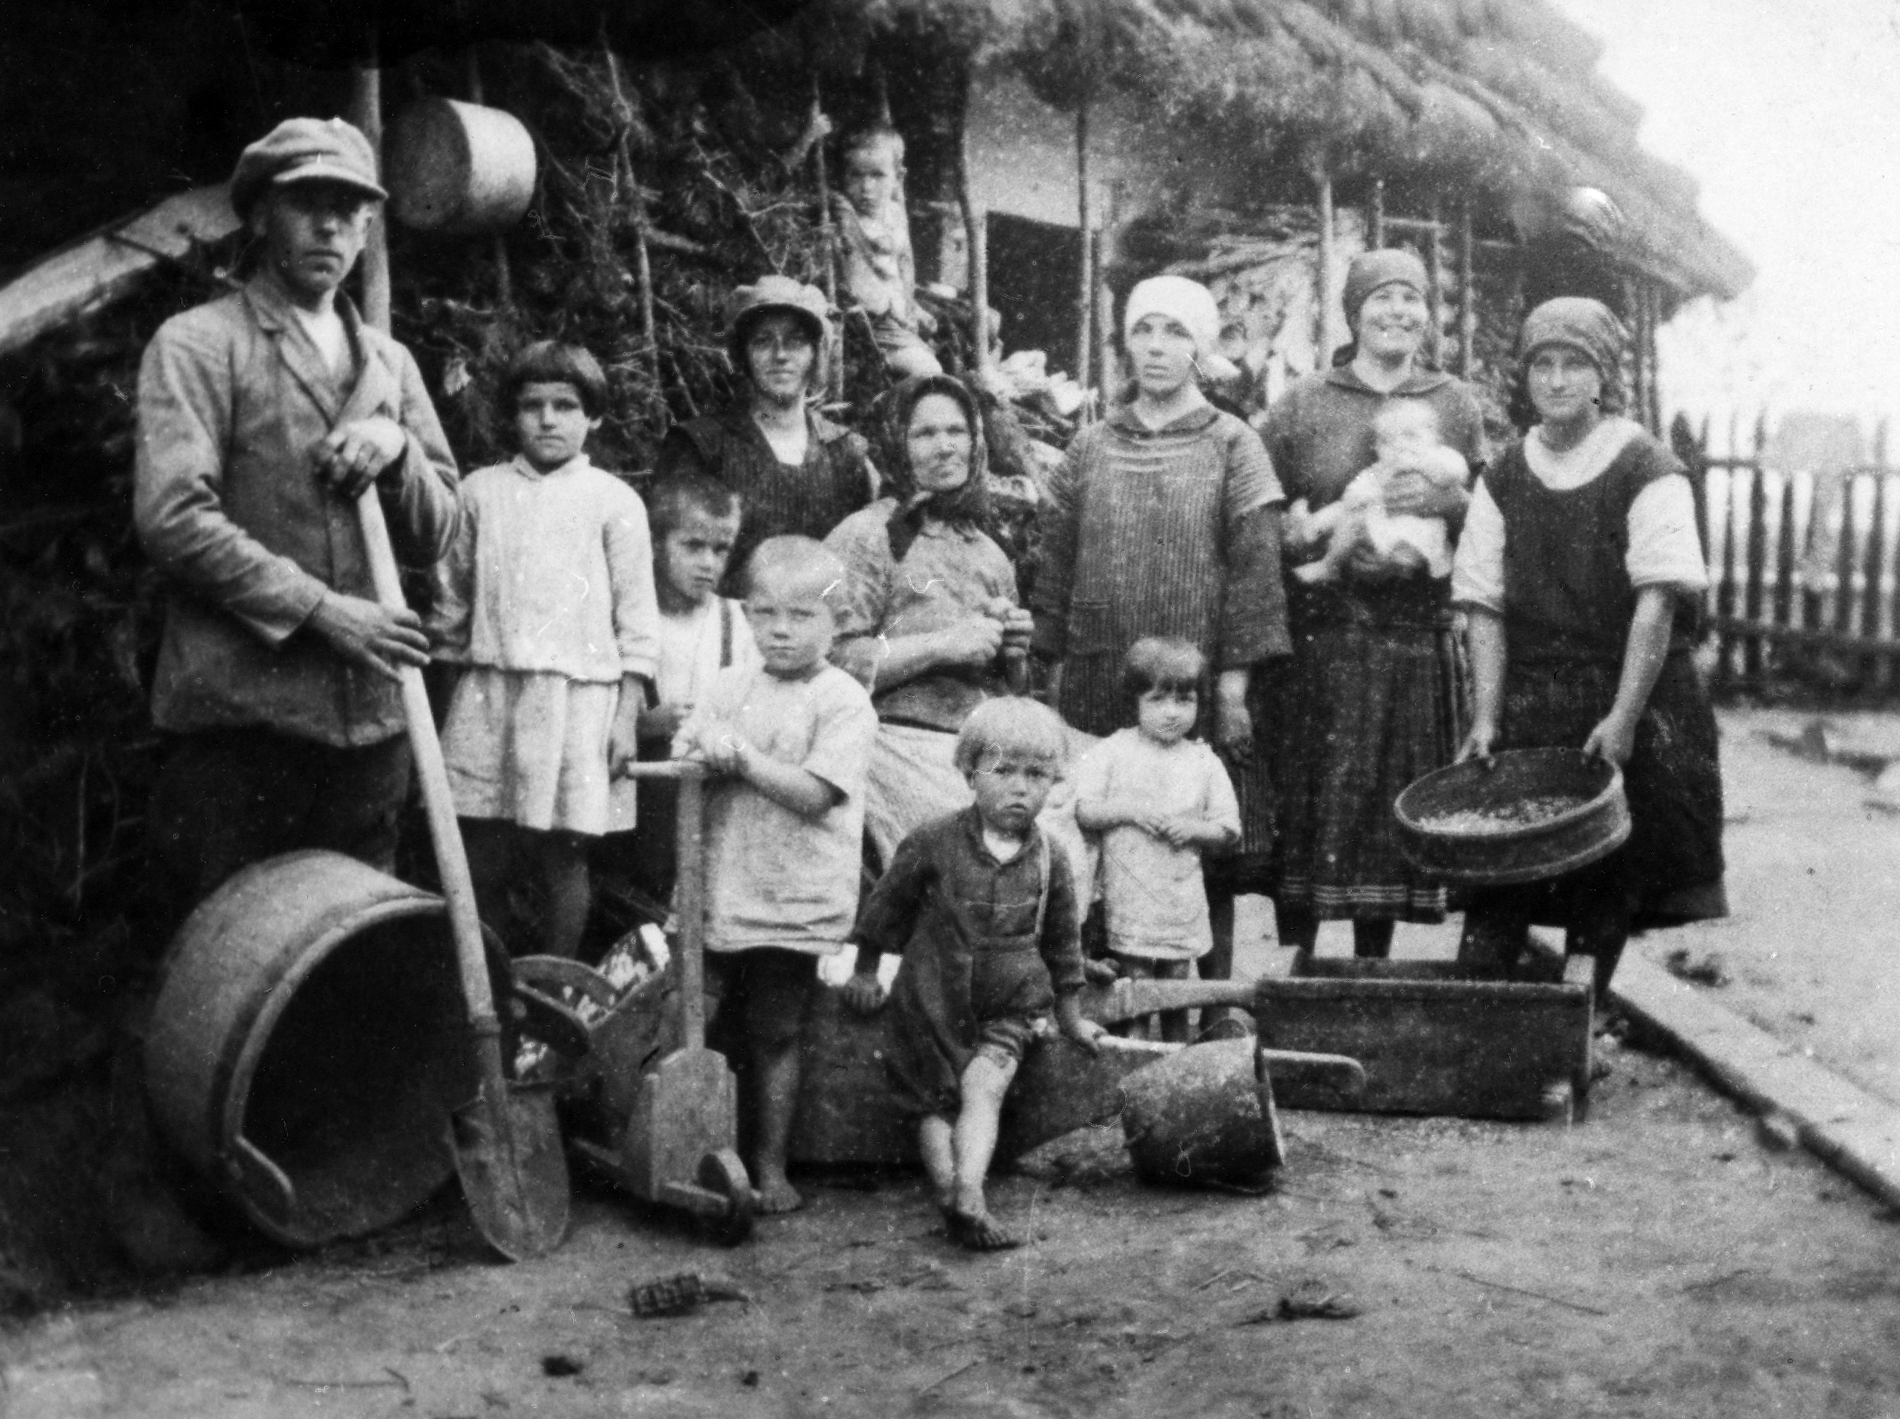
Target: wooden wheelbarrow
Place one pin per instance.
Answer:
(648, 1103)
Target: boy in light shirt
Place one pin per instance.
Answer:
(787, 741)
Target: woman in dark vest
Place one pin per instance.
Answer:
(1579, 569)
(796, 472)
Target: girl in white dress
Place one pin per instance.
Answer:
(1158, 800)
(546, 604)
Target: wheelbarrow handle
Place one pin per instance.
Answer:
(664, 769)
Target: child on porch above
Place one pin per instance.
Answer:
(880, 274)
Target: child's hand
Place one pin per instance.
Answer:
(1085, 1032)
(1019, 627)
(623, 742)
(864, 992)
(663, 721)
(724, 749)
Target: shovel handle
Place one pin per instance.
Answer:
(458, 889)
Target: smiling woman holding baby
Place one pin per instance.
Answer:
(1375, 455)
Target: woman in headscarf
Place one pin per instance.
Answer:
(1370, 701)
(1580, 570)
(1165, 521)
(930, 606)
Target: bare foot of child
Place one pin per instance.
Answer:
(978, 1231)
(776, 1193)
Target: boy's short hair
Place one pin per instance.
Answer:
(1162, 663)
(873, 135)
(1011, 723)
(806, 559)
(671, 498)
(555, 362)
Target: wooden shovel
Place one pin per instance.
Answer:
(507, 1142)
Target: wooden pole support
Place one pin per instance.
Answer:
(366, 112)
(1085, 224)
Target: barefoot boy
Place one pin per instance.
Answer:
(982, 907)
(788, 742)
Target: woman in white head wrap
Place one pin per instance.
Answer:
(1165, 521)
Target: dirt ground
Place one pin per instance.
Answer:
(1655, 1260)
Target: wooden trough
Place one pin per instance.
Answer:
(1437, 1037)
(846, 1113)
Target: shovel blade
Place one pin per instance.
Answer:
(514, 1172)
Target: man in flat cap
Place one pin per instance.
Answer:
(262, 416)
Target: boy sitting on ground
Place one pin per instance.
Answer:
(787, 740)
(981, 905)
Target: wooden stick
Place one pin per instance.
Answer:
(1467, 296)
(976, 236)
(636, 208)
(1328, 331)
(1375, 215)
(366, 112)
(504, 273)
(1435, 280)
(1105, 255)
(828, 249)
(1085, 294)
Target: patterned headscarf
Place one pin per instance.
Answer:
(967, 506)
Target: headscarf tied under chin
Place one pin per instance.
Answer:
(1190, 305)
(1584, 325)
(967, 506)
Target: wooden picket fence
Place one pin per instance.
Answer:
(1803, 566)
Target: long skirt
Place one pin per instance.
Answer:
(1670, 870)
(1362, 711)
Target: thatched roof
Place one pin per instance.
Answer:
(1499, 94)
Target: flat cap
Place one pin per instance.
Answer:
(305, 150)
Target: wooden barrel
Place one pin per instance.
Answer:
(459, 169)
(308, 1044)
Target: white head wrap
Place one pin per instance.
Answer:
(1190, 304)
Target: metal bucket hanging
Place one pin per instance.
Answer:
(306, 1047)
(460, 169)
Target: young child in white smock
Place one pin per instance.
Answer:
(546, 604)
(1405, 437)
(1158, 800)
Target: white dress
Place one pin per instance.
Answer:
(1153, 893)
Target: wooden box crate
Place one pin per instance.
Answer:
(1436, 1037)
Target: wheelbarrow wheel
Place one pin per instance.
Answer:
(723, 1173)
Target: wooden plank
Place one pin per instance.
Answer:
(100, 268)
(1848, 1128)
(1738, 630)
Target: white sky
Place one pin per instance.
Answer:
(1787, 112)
